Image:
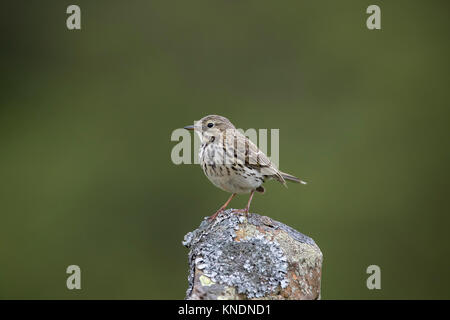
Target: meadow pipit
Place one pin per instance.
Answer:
(232, 162)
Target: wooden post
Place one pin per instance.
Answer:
(234, 257)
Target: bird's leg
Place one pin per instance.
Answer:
(222, 207)
(247, 208)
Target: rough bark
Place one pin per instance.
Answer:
(234, 257)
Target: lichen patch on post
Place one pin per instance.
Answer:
(205, 281)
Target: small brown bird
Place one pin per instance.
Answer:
(232, 162)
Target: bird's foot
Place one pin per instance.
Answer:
(244, 211)
(211, 218)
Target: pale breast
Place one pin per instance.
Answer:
(231, 177)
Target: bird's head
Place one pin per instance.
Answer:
(211, 126)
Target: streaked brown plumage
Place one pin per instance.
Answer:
(232, 162)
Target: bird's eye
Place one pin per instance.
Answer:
(210, 125)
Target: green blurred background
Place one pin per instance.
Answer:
(86, 118)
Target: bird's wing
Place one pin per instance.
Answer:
(247, 152)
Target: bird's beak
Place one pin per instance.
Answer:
(189, 127)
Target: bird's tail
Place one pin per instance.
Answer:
(287, 176)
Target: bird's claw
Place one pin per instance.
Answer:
(244, 211)
(211, 218)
